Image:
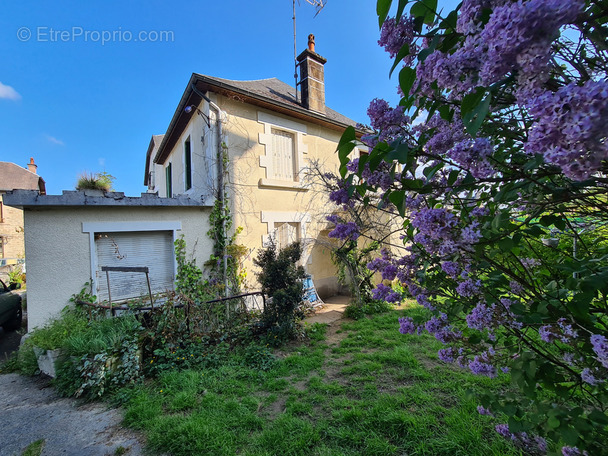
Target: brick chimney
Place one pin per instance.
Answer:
(312, 80)
(32, 166)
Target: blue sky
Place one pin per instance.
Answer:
(76, 104)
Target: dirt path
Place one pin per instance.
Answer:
(31, 410)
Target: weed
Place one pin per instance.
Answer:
(34, 448)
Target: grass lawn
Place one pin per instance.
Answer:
(364, 389)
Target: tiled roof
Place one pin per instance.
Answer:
(15, 177)
(276, 90)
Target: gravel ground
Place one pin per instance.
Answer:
(30, 410)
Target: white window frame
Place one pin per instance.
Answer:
(298, 130)
(274, 218)
(120, 227)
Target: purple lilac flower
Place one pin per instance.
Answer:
(569, 358)
(529, 263)
(573, 451)
(589, 376)
(480, 367)
(406, 325)
(503, 430)
(381, 292)
(484, 411)
(388, 121)
(434, 223)
(516, 288)
(344, 231)
(600, 347)
(570, 128)
(481, 317)
(353, 165)
(567, 331)
(480, 211)
(451, 268)
(393, 297)
(516, 28)
(468, 288)
(472, 155)
(396, 34)
(470, 234)
(389, 272)
(340, 197)
(447, 355)
(546, 334)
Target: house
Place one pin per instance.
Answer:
(246, 144)
(12, 241)
(251, 142)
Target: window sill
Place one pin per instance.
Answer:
(283, 185)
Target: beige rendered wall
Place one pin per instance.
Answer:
(254, 202)
(11, 230)
(58, 251)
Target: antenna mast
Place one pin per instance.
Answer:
(319, 5)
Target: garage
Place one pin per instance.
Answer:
(140, 249)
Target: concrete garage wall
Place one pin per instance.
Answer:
(58, 251)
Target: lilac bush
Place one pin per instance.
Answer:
(497, 148)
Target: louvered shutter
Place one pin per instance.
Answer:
(282, 155)
(153, 249)
(287, 233)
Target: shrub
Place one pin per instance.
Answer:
(95, 181)
(281, 279)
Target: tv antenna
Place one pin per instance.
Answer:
(319, 5)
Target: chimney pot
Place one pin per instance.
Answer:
(311, 43)
(31, 166)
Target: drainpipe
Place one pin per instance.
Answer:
(220, 181)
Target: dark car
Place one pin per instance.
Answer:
(11, 312)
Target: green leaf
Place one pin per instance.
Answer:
(407, 77)
(382, 9)
(505, 244)
(553, 422)
(453, 176)
(599, 417)
(450, 21)
(397, 198)
(515, 425)
(345, 147)
(400, 153)
(425, 9)
(403, 52)
(400, 8)
(473, 120)
(470, 101)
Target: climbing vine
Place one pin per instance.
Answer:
(221, 222)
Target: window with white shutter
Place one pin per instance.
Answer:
(286, 234)
(283, 160)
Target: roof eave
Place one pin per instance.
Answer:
(205, 84)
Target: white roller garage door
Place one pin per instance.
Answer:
(153, 249)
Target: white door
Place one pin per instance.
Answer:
(152, 249)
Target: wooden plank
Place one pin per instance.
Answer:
(125, 268)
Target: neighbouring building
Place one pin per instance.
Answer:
(253, 139)
(12, 241)
(261, 139)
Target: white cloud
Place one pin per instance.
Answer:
(102, 162)
(8, 92)
(54, 140)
